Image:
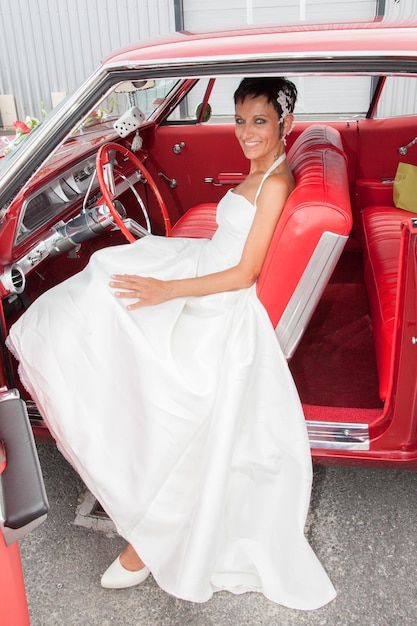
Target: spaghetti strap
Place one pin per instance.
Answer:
(267, 173)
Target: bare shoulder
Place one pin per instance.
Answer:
(277, 186)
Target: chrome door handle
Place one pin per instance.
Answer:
(172, 182)
(404, 149)
(211, 181)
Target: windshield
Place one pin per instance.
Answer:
(146, 95)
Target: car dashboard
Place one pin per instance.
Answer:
(53, 199)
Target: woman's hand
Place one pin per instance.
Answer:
(147, 291)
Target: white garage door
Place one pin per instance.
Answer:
(400, 96)
(223, 14)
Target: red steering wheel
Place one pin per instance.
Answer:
(104, 164)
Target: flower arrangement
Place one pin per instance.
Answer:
(22, 129)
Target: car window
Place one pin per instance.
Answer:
(399, 97)
(319, 98)
(332, 97)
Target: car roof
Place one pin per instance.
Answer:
(308, 40)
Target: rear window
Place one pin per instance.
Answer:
(398, 97)
(319, 98)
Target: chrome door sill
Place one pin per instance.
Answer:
(338, 435)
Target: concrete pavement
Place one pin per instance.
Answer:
(362, 525)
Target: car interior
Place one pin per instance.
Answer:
(334, 281)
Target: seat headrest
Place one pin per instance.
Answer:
(313, 137)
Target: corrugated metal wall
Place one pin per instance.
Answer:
(53, 45)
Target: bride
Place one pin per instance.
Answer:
(160, 376)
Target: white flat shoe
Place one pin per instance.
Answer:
(118, 577)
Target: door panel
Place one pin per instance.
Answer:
(378, 157)
(379, 140)
(203, 152)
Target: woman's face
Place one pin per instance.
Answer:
(257, 128)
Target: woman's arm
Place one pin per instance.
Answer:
(152, 291)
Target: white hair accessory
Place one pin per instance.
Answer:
(286, 103)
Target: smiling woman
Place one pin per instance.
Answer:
(209, 483)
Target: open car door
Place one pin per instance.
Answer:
(23, 502)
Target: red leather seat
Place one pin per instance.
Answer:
(199, 221)
(381, 238)
(308, 239)
(319, 204)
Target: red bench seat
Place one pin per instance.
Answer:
(381, 239)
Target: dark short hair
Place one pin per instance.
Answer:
(269, 87)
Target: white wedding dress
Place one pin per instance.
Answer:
(182, 418)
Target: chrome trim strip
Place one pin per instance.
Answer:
(303, 302)
(294, 65)
(8, 394)
(338, 435)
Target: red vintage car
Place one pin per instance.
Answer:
(147, 144)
